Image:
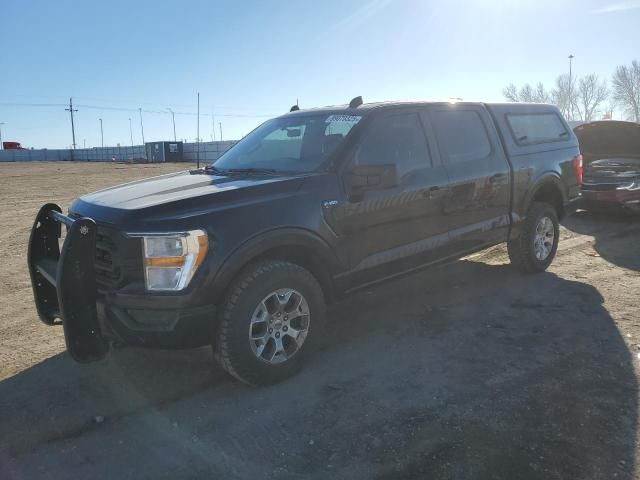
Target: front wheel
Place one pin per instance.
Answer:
(534, 250)
(272, 318)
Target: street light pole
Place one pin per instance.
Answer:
(101, 134)
(173, 119)
(1, 146)
(141, 125)
(570, 110)
(131, 132)
(198, 135)
(220, 125)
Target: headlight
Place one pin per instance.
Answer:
(171, 260)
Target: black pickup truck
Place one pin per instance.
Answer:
(244, 254)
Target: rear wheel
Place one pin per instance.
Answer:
(535, 248)
(273, 317)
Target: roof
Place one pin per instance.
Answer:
(368, 107)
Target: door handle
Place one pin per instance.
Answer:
(431, 191)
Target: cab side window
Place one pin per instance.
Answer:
(462, 135)
(395, 139)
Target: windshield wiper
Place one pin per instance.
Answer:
(214, 170)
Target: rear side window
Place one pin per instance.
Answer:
(461, 135)
(529, 129)
(395, 139)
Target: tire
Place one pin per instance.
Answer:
(257, 308)
(522, 250)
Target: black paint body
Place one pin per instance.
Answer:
(347, 238)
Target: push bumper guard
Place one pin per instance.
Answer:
(64, 284)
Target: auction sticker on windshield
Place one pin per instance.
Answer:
(343, 119)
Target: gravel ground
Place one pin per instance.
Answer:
(469, 370)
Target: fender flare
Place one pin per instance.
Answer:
(261, 243)
(547, 178)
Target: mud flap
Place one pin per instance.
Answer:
(63, 281)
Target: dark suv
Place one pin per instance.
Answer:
(245, 253)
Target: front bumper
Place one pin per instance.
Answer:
(142, 322)
(65, 292)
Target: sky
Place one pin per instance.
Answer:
(251, 60)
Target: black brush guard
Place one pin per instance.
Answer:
(64, 284)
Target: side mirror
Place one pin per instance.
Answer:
(372, 177)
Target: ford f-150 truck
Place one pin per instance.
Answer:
(245, 253)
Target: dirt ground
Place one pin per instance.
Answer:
(464, 371)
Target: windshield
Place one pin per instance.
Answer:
(289, 144)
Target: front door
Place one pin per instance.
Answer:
(387, 230)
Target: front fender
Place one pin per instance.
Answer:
(261, 243)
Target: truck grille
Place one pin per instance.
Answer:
(107, 266)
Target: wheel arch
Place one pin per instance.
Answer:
(548, 188)
(295, 245)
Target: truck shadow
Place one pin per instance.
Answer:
(465, 371)
(612, 232)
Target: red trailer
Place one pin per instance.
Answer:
(12, 146)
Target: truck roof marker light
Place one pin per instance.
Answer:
(355, 102)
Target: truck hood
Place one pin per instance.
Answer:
(608, 139)
(611, 152)
(181, 194)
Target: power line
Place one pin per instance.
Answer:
(125, 109)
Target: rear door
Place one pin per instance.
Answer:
(477, 204)
(390, 229)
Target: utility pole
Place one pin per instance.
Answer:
(1, 146)
(101, 134)
(198, 135)
(141, 125)
(570, 110)
(213, 126)
(173, 119)
(131, 132)
(73, 130)
(220, 125)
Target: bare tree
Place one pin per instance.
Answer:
(591, 93)
(527, 93)
(510, 92)
(626, 89)
(565, 96)
(541, 95)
